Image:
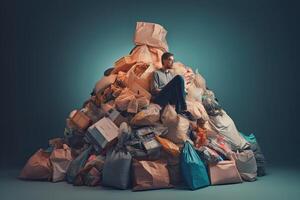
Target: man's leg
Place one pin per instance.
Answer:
(174, 94)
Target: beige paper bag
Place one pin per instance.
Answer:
(150, 175)
(178, 126)
(224, 172)
(151, 34)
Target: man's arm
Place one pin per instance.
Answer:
(155, 89)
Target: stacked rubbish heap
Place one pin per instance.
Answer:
(119, 138)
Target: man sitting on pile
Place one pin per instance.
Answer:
(168, 88)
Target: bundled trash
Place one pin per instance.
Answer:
(119, 138)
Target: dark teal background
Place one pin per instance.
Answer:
(54, 52)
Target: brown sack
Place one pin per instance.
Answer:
(224, 172)
(151, 34)
(178, 126)
(150, 175)
(148, 116)
(147, 54)
(38, 167)
(141, 54)
(60, 159)
(156, 54)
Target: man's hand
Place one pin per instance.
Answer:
(156, 91)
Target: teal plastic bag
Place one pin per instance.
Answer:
(250, 138)
(193, 169)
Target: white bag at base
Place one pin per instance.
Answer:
(225, 126)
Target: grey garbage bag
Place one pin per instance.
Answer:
(246, 164)
(117, 165)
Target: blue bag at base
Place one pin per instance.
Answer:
(192, 168)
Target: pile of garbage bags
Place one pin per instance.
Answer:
(119, 138)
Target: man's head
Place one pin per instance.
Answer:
(167, 60)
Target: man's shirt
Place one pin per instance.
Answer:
(161, 78)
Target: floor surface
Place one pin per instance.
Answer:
(280, 183)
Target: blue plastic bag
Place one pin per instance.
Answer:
(250, 138)
(193, 170)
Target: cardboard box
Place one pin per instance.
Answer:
(81, 120)
(123, 64)
(103, 133)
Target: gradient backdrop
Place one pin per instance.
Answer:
(55, 51)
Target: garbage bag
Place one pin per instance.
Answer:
(178, 126)
(60, 159)
(192, 168)
(246, 164)
(91, 173)
(123, 100)
(259, 156)
(221, 146)
(210, 103)
(150, 175)
(116, 169)
(197, 110)
(225, 126)
(77, 164)
(38, 167)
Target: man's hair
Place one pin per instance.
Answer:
(165, 56)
